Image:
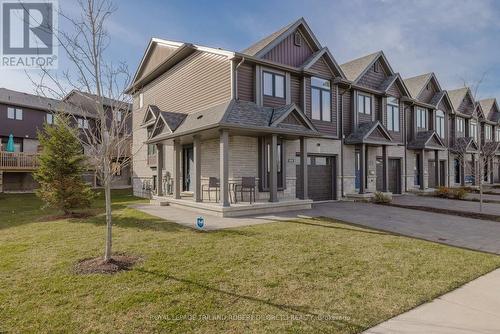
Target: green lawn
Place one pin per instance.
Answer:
(309, 276)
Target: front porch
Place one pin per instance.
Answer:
(206, 169)
(235, 209)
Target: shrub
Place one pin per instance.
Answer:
(381, 198)
(459, 193)
(444, 192)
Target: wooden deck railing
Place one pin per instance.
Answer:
(18, 160)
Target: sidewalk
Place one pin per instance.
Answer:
(473, 308)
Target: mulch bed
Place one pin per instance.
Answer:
(118, 263)
(473, 215)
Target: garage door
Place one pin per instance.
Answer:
(320, 178)
(395, 176)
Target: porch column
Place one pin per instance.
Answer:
(159, 169)
(273, 175)
(177, 169)
(224, 167)
(421, 169)
(362, 169)
(436, 168)
(197, 168)
(303, 167)
(385, 169)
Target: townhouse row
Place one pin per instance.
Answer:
(23, 116)
(285, 114)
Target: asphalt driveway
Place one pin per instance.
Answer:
(453, 230)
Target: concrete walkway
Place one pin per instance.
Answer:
(187, 218)
(450, 204)
(473, 308)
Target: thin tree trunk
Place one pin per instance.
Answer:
(107, 195)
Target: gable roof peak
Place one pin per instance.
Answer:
(457, 96)
(262, 46)
(417, 83)
(354, 69)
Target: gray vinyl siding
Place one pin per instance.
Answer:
(271, 101)
(347, 112)
(321, 68)
(428, 92)
(372, 79)
(246, 82)
(198, 82)
(296, 90)
(158, 55)
(466, 107)
(286, 52)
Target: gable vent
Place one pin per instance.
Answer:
(297, 39)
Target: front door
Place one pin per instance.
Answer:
(187, 167)
(357, 169)
(442, 172)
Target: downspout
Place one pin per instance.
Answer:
(236, 78)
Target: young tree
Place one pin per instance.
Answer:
(62, 165)
(104, 105)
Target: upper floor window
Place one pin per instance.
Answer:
(376, 67)
(393, 114)
(364, 104)
(440, 123)
(487, 132)
(83, 123)
(498, 135)
(15, 113)
(274, 84)
(473, 129)
(460, 124)
(119, 116)
(141, 100)
(421, 118)
(49, 118)
(321, 99)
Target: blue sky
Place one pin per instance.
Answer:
(457, 39)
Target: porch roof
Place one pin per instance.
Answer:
(288, 120)
(465, 145)
(427, 140)
(370, 133)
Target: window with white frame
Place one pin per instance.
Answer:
(83, 123)
(473, 130)
(15, 113)
(460, 123)
(498, 135)
(141, 100)
(487, 132)
(440, 123)
(49, 118)
(392, 114)
(273, 84)
(364, 104)
(119, 116)
(321, 99)
(421, 118)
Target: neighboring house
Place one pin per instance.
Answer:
(490, 136)
(373, 126)
(428, 135)
(286, 114)
(23, 116)
(465, 129)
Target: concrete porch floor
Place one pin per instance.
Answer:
(235, 209)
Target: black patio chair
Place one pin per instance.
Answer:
(213, 185)
(247, 186)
